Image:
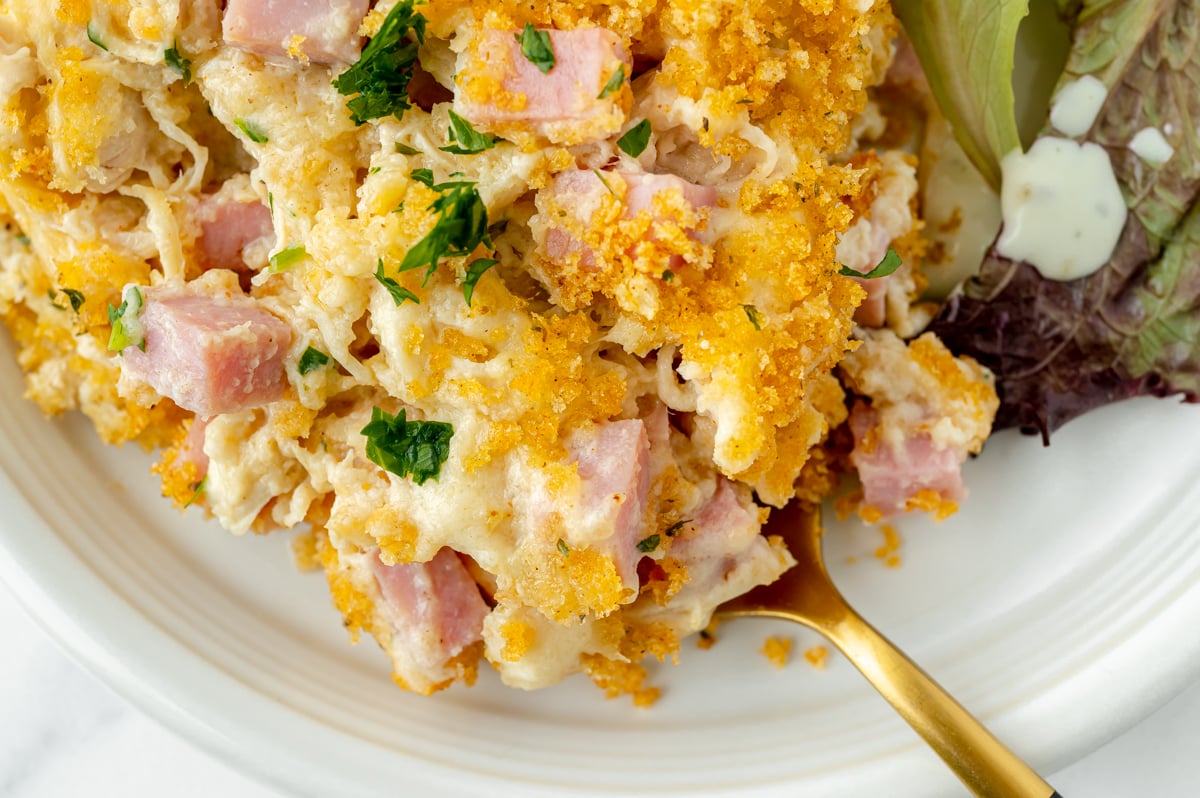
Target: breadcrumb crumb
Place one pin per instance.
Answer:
(777, 650)
(817, 657)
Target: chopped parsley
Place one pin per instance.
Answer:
(423, 176)
(674, 528)
(563, 549)
(23, 239)
(399, 293)
(536, 47)
(286, 258)
(74, 297)
(175, 60)
(381, 76)
(754, 316)
(252, 131)
(93, 34)
(614, 83)
(891, 261)
(404, 149)
(668, 275)
(600, 175)
(647, 545)
(634, 142)
(466, 140)
(126, 326)
(311, 360)
(199, 489)
(407, 448)
(462, 226)
(474, 272)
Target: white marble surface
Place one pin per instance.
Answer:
(63, 733)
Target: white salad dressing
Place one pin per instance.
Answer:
(1077, 105)
(1151, 146)
(1062, 208)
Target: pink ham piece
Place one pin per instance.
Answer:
(580, 188)
(891, 475)
(209, 353)
(726, 523)
(227, 228)
(324, 31)
(192, 449)
(562, 105)
(613, 463)
(435, 611)
(873, 310)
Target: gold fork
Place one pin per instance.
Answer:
(806, 595)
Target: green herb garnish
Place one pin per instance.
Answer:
(175, 60)
(381, 76)
(647, 545)
(252, 131)
(634, 142)
(614, 83)
(754, 316)
(466, 140)
(891, 261)
(74, 297)
(536, 47)
(423, 176)
(404, 149)
(126, 326)
(668, 275)
(474, 271)
(563, 549)
(461, 227)
(198, 489)
(600, 175)
(674, 528)
(23, 239)
(399, 293)
(286, 258)
(407, 448)
(93, 34)
(311, 360)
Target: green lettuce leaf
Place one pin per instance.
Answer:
(1059, 349)
(967, 49)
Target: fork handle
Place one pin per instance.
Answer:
(983, 763)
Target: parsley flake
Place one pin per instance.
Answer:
(311, 360)
(563, 549)
(23, 239)
(600, 175)
(423, 176)
(891, 261)
(754, 316)
(399, 293)
(634, 142)
(252, 131)
(74, 297)
(647, 545)
(407, 448)
(381, 76)
(614, 83)
(466, 140)
(474, 272)
(285, 259)
(126, 325)
(462, 225)
(175, 60)
(668, 275)
(93, 34)
(674, 528)
(536, 47)
(199, 489)
(404, 149)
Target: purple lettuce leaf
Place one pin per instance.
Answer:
(1059, 349)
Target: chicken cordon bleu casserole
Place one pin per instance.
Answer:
(523, 315)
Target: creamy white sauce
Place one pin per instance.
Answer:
(1062, 208)
(1151, 146)
(1077, 105)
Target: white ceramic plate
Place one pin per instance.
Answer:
(1060, 606)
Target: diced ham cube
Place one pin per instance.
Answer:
(209, 353)
(873, 310)
(891, 475)
(613, 463)
(323, 31)
(724, 525)
(227, 228)
(500, 90)
(435, 611)
(581, 189)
